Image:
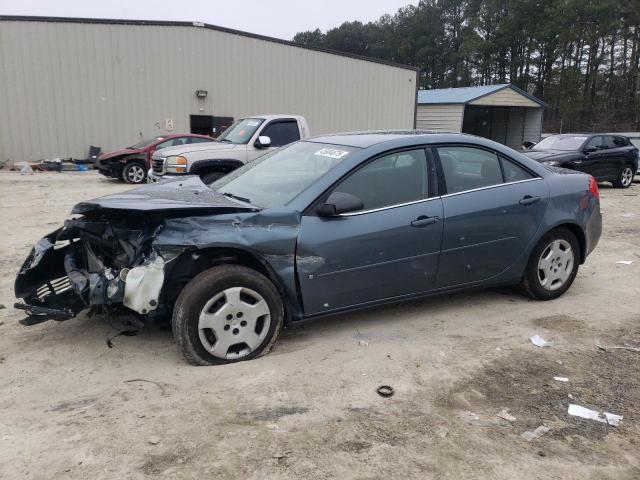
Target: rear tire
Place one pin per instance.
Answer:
(134, 173)
(553, 265)
(227, 314)
(625, 177)
(209, 178)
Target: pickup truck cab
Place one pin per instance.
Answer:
(244, 141)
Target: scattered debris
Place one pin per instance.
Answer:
(505, 415)
(538, 341)
(602, 417)
(154, 440)
(124, 333)
(624, 262)
(2, 306)
(385, 391)
(281, 455)
(158, 384)
(618, 347)
(561, 379)
(531, 435)
(362, 343)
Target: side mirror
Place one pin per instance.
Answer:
(262, 142)
(590, 149)
(338, 203)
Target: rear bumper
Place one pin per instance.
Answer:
(593, 230)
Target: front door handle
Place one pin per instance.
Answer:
(423, 221)
(528, 200)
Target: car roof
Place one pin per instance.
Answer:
(275, 116)
(373, 137)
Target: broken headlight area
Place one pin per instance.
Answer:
(97, 263)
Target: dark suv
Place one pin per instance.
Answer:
(608, 157)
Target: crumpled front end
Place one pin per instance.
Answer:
(91, 263)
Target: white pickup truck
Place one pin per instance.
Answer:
(244, 141)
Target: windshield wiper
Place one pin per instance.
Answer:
(225, 140)
(231, 195)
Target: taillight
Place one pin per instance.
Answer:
(593, 188)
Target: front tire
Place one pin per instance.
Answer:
(227, 314)
(553, 265)
(625, 177)
(134, 173)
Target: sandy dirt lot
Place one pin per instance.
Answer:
(71, 407)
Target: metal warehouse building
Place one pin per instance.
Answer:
(503, 113)
(66, 84)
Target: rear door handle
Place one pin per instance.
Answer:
(423, 221)
(528, 200)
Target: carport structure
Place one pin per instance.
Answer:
(503, 113)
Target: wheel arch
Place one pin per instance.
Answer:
(578, 232)
(199, 260)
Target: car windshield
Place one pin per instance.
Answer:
(561, 142)
(275, 179)
(146, 143)
(241, 131)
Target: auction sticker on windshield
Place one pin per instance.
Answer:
(253, 123)
(331, 153)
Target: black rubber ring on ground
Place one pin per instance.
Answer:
(385, 391)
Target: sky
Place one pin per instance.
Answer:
(274, 18)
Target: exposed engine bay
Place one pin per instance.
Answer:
(96, 262)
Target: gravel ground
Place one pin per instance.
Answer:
(74, 408)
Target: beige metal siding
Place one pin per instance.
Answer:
(533, 124)
(440, 118)
(505, 97)
(65, 86)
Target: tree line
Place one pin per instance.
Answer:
(581, 57)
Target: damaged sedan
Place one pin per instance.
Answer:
(322, 226)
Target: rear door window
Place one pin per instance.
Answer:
(513, 172)
(468, 168)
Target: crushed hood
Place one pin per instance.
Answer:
(199, 147)
(185, 193)
(119, 153)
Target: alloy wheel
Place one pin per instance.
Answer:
(234, 323)
(135, 174)
(626, 177)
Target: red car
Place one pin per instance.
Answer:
(132, 163)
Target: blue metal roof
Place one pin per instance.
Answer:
(465, 95)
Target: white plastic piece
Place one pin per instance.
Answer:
(602, 417)
(538, 341)
(530, 435)
(142, 286)
(505, 415)
(561, 379)
(624, 262)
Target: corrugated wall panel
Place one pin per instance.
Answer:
(65, 86)
(533, 124)
(440, 118)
